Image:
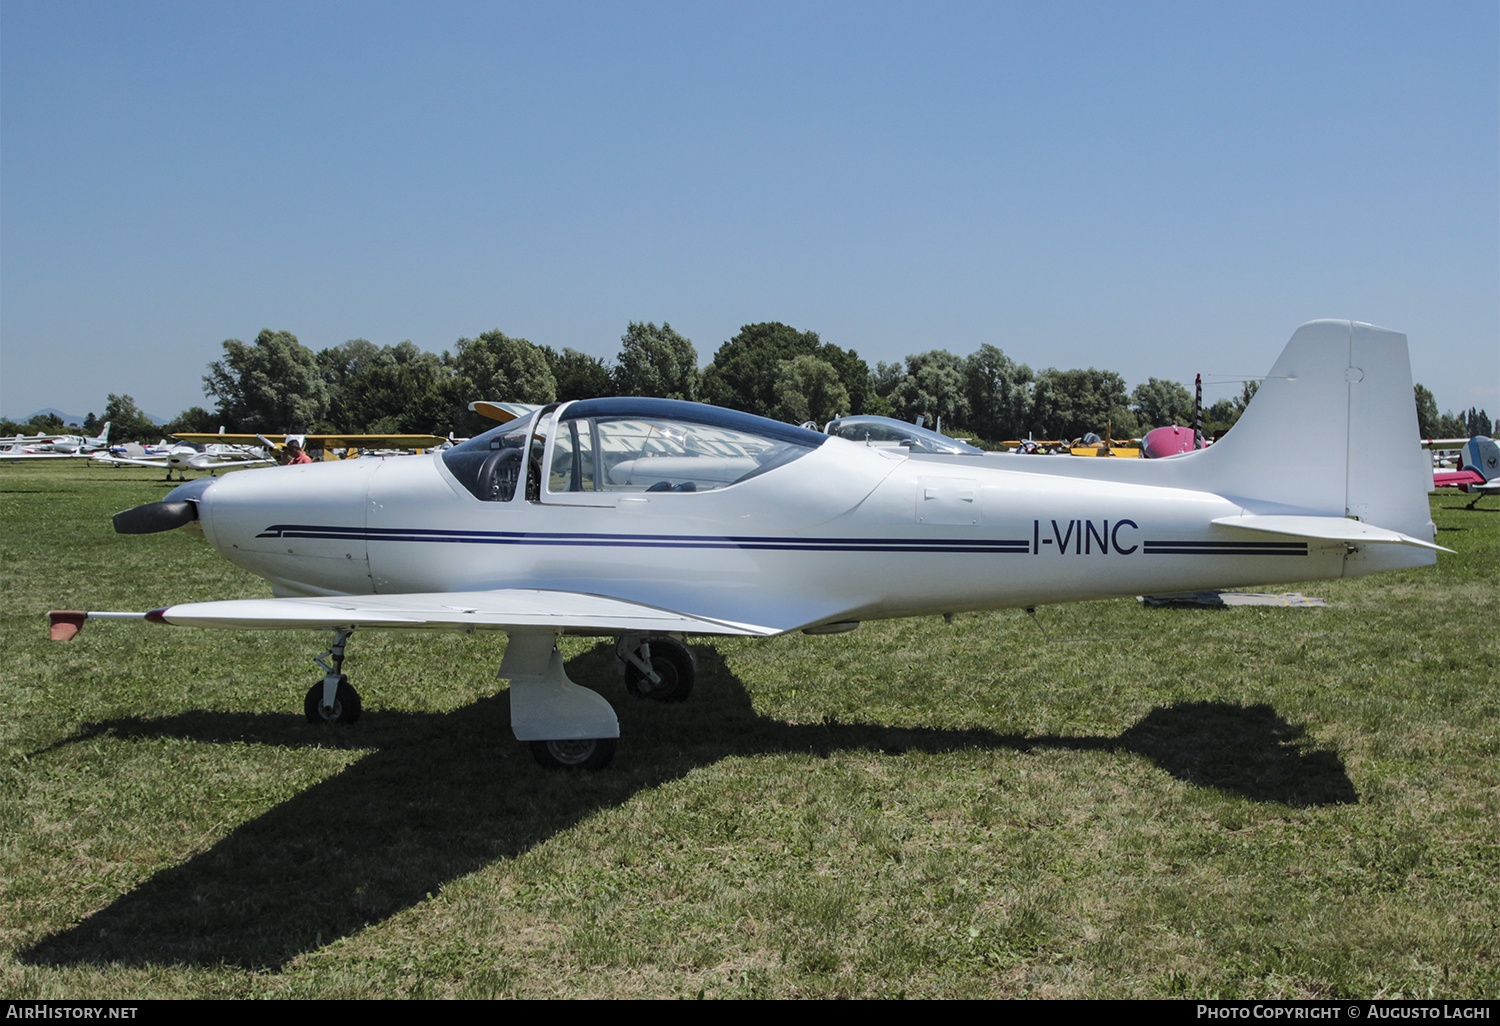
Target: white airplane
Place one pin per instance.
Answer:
(1479, 469)
(185, 456)
(24, 442)
(650, 519)
(54, 447)
(890, 432)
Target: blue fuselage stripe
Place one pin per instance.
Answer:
(999, 546)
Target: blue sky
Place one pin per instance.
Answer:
(1154, 188)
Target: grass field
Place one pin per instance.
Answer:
(1253, 802)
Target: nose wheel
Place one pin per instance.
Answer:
(333, 699)
(345, 707)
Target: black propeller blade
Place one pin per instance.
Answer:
(156, 516)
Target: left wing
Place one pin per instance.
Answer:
(511, 609)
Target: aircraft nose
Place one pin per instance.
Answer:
(301, 527)
(178, 509)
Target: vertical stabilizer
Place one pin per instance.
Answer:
(1388, 476)
(1331, 432)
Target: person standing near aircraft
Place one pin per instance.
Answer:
(294, 453)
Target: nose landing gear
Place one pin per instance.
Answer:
(333, 699)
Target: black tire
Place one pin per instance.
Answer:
(592, 753)
(346, 704)
(674, 663)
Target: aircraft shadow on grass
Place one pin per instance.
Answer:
(443, 795)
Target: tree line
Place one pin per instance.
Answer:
(276, 384)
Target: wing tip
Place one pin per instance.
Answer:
(65, 623)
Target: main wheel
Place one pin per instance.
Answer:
(591, 753)
(346, 704)
(674, 663)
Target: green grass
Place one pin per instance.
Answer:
(1241, 803)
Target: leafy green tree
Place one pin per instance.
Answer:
(809, 388)
(1159, 403)
(935, 385)
(1247, 392)
(273, 385)
(92, 424)
(744, 372)
(1224, 414)
(579, 375)
(999, 394)
(383, 390)
(48, 424)
(345, 369)
(404, 386)
(854, 375)
(883, 381)
(656, 362)
(1452, 425)
(1427, 411)
(1219, 418)
(498, 368)
(126, 422)
(1071, 403)
(194, 419)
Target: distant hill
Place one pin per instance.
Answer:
(73, 418)
(67, 418)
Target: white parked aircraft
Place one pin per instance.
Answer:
(649, 519)
(54, 447)
(23, 443)
(889, 432)
(1478, 472)
(185, 456)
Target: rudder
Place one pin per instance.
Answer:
(1332, 431)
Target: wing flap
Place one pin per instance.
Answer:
(1326, 529)
(508, 609)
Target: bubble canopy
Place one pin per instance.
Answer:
(626, 444)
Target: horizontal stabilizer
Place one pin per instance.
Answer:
(511, 609)
(1326, 529)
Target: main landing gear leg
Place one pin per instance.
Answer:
(566, 725)
(333, 699)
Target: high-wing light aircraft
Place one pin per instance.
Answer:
(649, 519)
(1479, 472)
